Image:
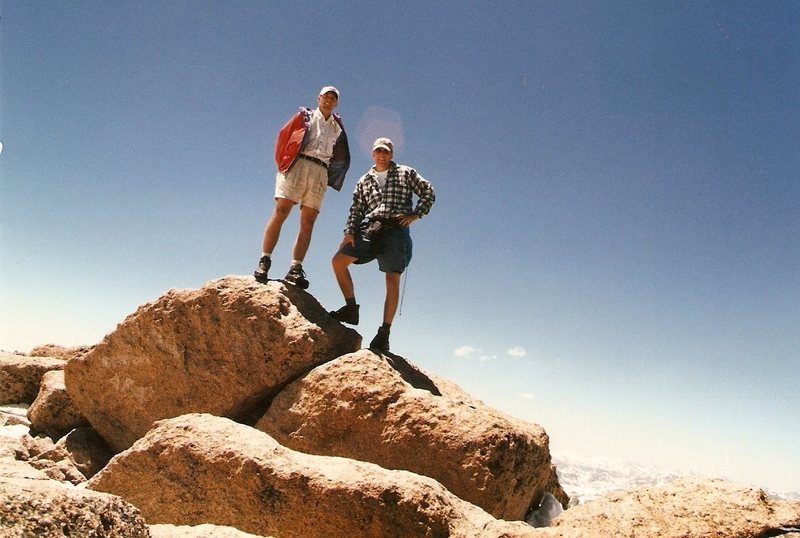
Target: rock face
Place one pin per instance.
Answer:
(20, 376)
(59, 352)
(55, 462)
(685, 508)
(197, 531)
(87, 451)
(32, 505)
(421, 457)
(385, 411)
(181, 473)
(14, 414)
(52, 412)
(223, 349)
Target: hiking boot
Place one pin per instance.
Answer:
(297, 276)
(263, 268)
(346, 314)
(381, 340)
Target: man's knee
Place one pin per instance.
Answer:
(282, 209)
(341, 261)
(308, 217)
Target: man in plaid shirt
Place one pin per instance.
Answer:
(377, 228)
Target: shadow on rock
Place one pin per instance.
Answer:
(411, 374)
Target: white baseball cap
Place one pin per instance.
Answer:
(327, 89)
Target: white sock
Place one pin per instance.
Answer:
(297, 262)
(267, 254)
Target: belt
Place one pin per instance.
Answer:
(389, 222)
(320, 162)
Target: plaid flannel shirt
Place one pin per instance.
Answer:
(369, 201)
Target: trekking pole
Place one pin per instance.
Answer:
(403, 294)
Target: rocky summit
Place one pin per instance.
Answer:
(384, 410)
(224, 349)
(241, 409)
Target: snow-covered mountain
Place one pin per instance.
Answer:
(587, 478)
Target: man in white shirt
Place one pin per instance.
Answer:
(304, 151)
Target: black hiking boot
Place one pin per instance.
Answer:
(346, 314)
(263, 268)
(297, 276)
(381, 340)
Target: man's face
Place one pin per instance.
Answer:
(327, 102)
(381, 158)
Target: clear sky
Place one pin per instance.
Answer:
(614, 250)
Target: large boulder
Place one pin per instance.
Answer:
(52, 412)
(21, 375)
(685, 508)
(198, 469)
(32, 505)
(224, 349)
(386, 411)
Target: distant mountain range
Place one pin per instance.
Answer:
(587, 478)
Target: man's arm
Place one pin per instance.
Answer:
(290, 141)
(425, 193)
(358, 208)
(340, 160)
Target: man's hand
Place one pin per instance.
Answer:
(406, 220)
(348, 240)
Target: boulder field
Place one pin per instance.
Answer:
(242, 409)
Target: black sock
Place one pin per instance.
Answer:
(350, 301)
(386, 326)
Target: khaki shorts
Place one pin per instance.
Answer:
(304, 183)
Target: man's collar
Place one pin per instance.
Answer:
(317, 112)
(392, 164)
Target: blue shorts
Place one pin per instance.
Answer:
(393, 250)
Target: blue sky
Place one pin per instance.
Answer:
(613, 252)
